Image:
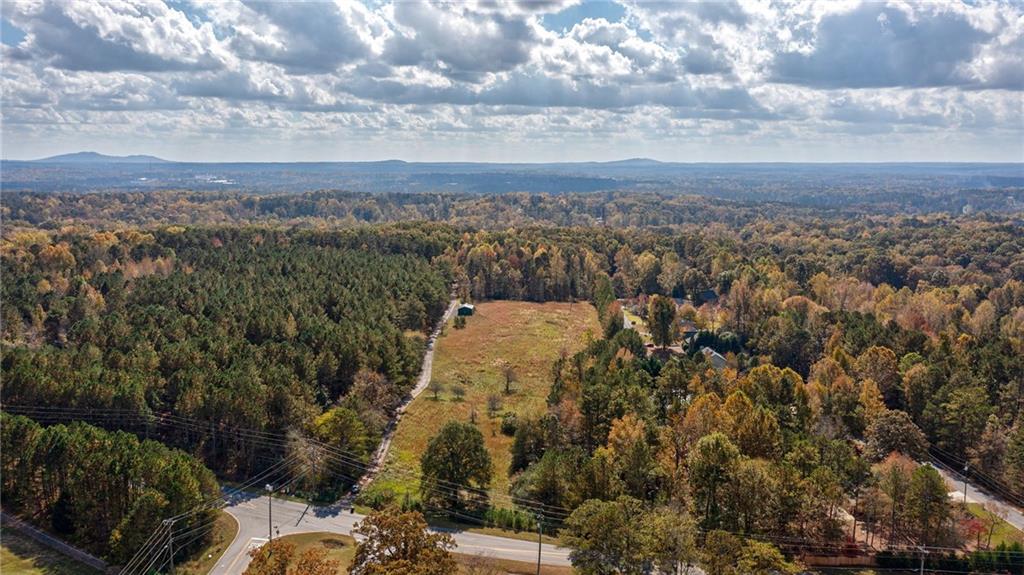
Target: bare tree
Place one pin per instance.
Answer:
(993, 516)
(508, 371)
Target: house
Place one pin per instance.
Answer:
(466, 309)
(687, 329)
(709, 296)
(716, 359)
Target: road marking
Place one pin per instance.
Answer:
(245, 550)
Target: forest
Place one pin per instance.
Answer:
(857, 347)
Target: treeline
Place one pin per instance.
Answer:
(341, 208)
(103, 491)
(254, 329)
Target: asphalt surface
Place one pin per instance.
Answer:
(955, 480)
(290, 517)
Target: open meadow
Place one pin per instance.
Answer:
(530, 337)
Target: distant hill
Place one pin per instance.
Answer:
(633, 162)
(97, 158)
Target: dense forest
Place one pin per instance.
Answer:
(249, 328)
(332, 208)
(856, 347)
(104, 491)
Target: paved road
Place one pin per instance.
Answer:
(291, 517)
(426, 371)
(1014, 516)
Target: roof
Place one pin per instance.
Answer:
(717, 360)
(467, 306)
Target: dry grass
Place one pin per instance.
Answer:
(22, 555)
(528, 335)
(225, 528)
(341, 548)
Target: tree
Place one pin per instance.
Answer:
(893, 476)
(661, 319)
(927, 503)
(436, 388)
(711, 464)
(893, 431)
(989, 453)
(314, 561)
(720, 552)
(994, 514)
(879, 364)
(342, 428)
(606, 537)
(272, 558)
(759, 558)
(400, 543)
(455, 460)
(508, 373)
(670, 539)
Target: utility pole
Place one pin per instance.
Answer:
(540, 538)
(270, 514)
(170, 540)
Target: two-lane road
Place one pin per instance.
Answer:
(955, 480)
(289, 517)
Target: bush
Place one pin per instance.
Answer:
(509, 424)
(460, 322)
(376, 499)
(510, 519)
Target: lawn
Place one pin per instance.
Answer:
(1004, 533)
(342, 548)
(224, 531)
(22, 555)
(530, 336)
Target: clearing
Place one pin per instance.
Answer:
(530, 337)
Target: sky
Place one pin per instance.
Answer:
(523, 81)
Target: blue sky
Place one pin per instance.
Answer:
(545, 80)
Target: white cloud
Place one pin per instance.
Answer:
(400, 76)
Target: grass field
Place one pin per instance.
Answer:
(1004, 533)
(530, 336)
(224, 531)
(342, 548)
(21, 555)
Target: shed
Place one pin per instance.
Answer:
(466, 309)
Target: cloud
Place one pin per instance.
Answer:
(812, 74)
(881, 46)
(302, 37)
(458, 42)
(145, 37)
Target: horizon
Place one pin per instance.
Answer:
(112, 158)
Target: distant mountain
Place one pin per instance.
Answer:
(97, 158)
(633, 162)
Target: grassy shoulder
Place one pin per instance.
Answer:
(530, 337)
(224, 531)
(22, 555)
(342, 548)
(1004, 532)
